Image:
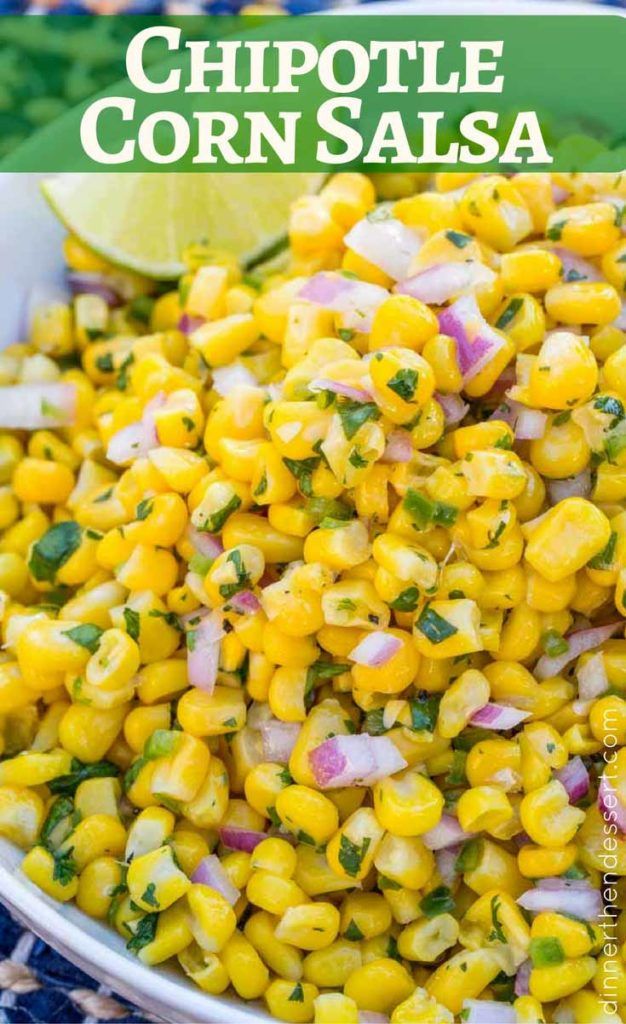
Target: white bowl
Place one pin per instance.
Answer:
(32, 257)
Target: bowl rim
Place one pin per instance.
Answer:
(156, 992)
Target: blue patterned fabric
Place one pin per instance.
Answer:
(38, 986)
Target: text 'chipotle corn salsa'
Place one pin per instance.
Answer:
(313, 598)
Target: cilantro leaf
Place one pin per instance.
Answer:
(404, 383)
(354, 414)
(434, 627)
(53, 550)
(86, 635)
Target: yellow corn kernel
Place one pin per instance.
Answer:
(307, 813)
(425, 940)
(43, 869)
(309, 926)
(556, 982)
(289, 1002)
(548, 817)
(566, 538)
(379, 985)
(407, 804)
(212, 919)
(97, 885)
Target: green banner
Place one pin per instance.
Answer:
(319, 93)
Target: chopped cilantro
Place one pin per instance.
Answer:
(458, 238)
(356, 459)
(105, 362)
(144, 933)
(149, 897)
(424, 711)
(555, 231)
(53, 549)
(144, 508)
(65, 785)
(228, 589)
(509, 313)
(351, 855)
(470, 855)
(354, 414)
(406, 601)
(604, 559)
(86, 635)
(561, 418)
(497, 935)
(61, 810)
(261, 487)
(345, 334)
(438, 901)
(425, 512)
(303, 469)
(434, 627)
(216, 520)
(297, 995)
(132, 622)
(64, 867)
(404, 383)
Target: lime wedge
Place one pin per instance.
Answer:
(143, 222)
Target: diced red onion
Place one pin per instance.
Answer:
(399, 447)
(372, 1017)
(501, 385)
(206, 544)
(575, 777)
(137, 439)
(563, 896)
(454, 408)
(487, 1011)
(188, 324)
(575, 268)
(338, 387)
(204, 654)
(498, 716)
(375, 649)
(477, 342)
(530, 424)
(279, 739)
(211, 872)
(244, 602)
(387, 243)
(559, 194)
(345, 295)
(444, 281)
(446, 864)
(620, 321)
(522, 979)
(592, 678)
(358, 760)
(611, 807)
(447, 832)
(37, 406)
(246, 839)
(521, 839)
(578, 486)
(507, 412)
(226, 378)
(85, 283)
(577, 643)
